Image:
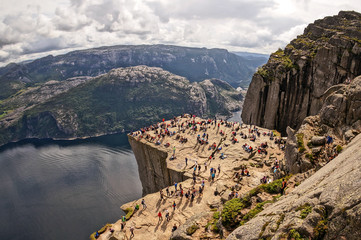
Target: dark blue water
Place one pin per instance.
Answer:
(65, 189)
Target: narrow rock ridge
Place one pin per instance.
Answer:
(291, 85)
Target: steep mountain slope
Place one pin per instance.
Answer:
(291, 85)
(196, 64)
(124, 98)
(325, 206)
(255, 60)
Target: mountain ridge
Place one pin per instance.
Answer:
(196, 64)
(124, 98)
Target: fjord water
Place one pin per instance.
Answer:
(65, 189)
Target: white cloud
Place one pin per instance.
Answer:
(33, 28)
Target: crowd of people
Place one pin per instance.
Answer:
(188, 125)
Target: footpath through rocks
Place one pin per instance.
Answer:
(241, 157)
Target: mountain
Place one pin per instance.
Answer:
(291, 86)
(196, 64)
(124, 98)
(254, 60)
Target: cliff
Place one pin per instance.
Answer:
(154, 172)
(158, 171)
(291, 86)
(339, 117)
(124, 98)
(325, 206)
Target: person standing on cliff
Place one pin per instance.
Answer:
(186, 161)
(160, 218)
(175, 186)
(144, 205)
(284, 185)
(173, 150)
(131, 231)
(167, 215)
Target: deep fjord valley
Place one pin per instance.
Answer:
(289, 171)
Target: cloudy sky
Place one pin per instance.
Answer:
(34, 28)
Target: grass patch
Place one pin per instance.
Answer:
(320, 230)
(286, 62)
(293, 234)
(130, 212)
(263, 72)
(305, 210)
(213, 224)
(231, 210)
(100, 231)
(262, 230)
(300, 144)
(338, 148)
(190, 230)
(253, 212)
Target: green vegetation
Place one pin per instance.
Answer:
(276, 133)
(263, 72)
(279, 221)
(338, 148)
(231, 210)
(4, 113)
(190, 230)
(130, 212)
(321, 228)
(305, 210)
(112, 102)
(253, 212)
(307, 44)
(103, 229)
(310, 157)
(300, 144)
(263, 229)
(213, 224)
(284, 59)
(293, 234)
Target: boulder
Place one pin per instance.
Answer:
(316, 150)
(318, 140)
(181, 232)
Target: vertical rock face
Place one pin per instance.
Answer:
(340, 117)
(153, 171)
(291, 85)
